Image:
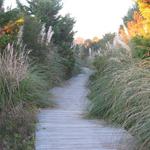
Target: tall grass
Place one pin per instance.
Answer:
(22, 88)
(53, 68)
(13, 69)
(18, 80)
(120, 93)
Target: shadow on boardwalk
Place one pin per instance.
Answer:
(64, 127)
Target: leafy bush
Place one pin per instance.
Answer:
(140, 47)
(4, 40)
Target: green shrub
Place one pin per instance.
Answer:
(4, 40)
(140, 47)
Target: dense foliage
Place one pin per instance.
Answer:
(36, 54)
(137, 27)
(47, 13)
(92, 47)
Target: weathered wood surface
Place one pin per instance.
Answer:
(64, 127)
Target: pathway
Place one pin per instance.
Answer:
(65, 128)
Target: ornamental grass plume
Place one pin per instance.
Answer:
(49, 35)
(13, 69)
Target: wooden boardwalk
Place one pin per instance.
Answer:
(64, 128)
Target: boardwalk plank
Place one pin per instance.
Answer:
(64, 127)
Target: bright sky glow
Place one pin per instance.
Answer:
(94, 17)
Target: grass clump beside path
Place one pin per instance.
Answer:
(23, 88)
(120, 93)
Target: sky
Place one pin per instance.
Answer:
(93, 17)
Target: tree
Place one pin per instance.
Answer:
(129, 16)
(63, 31)
(10, 15)
(63, 38)
(30, 37)
(106, 40)
(8, 25)
(45, 10)
(1, 4)
(47, 13)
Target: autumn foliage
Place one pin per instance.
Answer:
(139, 25)
(12, 27)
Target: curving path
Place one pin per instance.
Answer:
(65, 128)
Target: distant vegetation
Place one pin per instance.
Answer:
(92, 47)
(120, 88)
(36, 54)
